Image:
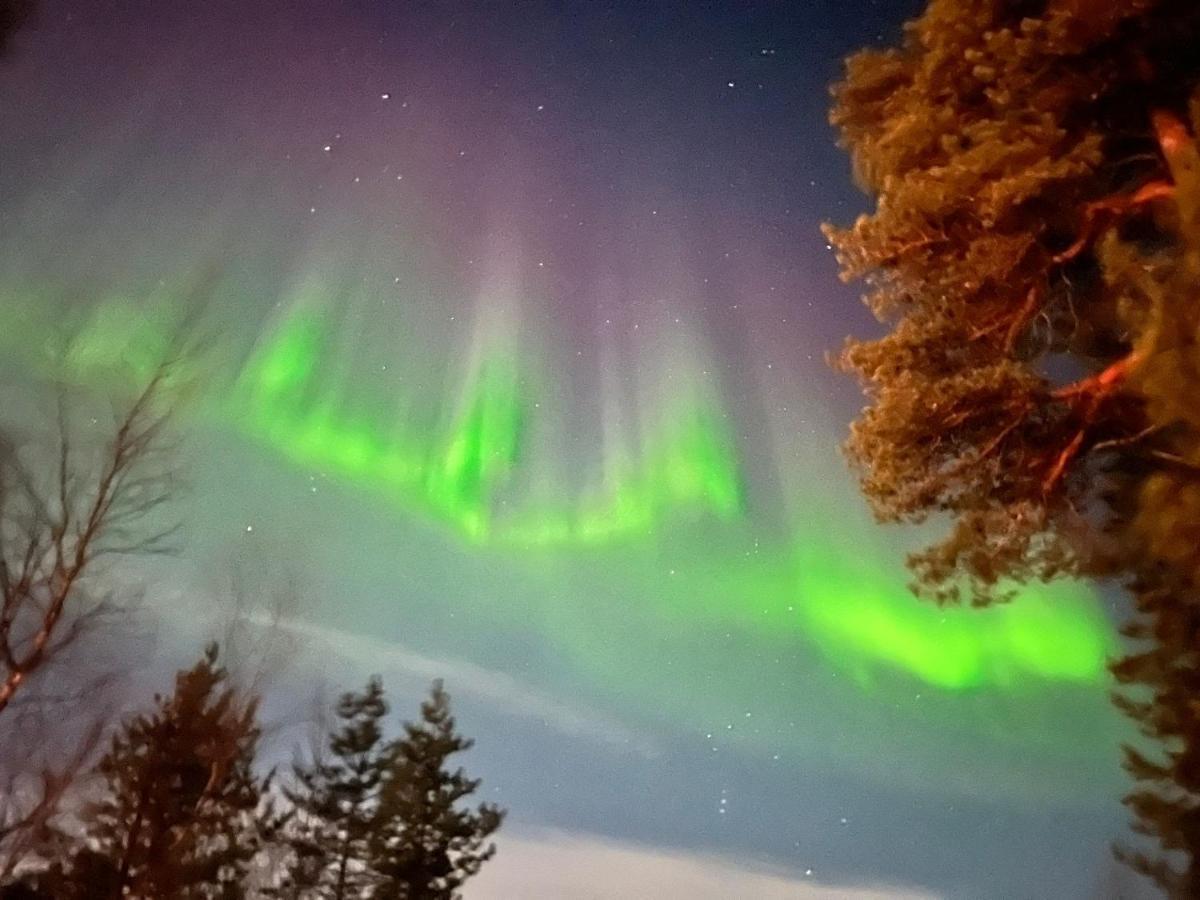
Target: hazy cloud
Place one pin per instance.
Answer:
(499, 689)
(553, 865)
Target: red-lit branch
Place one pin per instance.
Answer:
(1099, 216)
(1087, 395)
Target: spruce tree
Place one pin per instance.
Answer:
(423, 846)
(1035, 253)
(177, 819)
(333, 805)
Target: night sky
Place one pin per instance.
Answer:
(518, 317)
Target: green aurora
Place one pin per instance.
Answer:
(508, 334)
(467, 476)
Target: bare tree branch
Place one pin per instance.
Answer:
(51, 535)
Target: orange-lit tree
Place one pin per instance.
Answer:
(1035, 253)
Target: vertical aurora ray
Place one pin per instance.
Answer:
(481, 449)
(687, 463)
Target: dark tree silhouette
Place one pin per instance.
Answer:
(334, 802)
(1035, 252)
(178, 817)
(13, 14)
(423, 845)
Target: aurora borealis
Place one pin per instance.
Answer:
(685, 467)
(516, 328)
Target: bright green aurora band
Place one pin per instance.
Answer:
(462, 474)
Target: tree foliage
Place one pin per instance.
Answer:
(424, 844)
(182, 812)
(334, 805)
(1035, 253)
(384, 818)
(177, 818)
